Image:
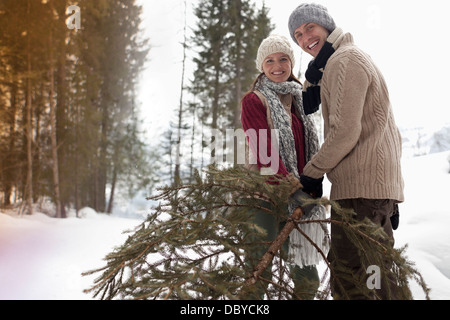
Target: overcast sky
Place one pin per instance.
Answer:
(406, 39)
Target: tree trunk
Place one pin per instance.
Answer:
(238, 80)
(177, 175)
(29, 180)
(113, 189)
(238, 65)
(53, 134)
(61, 107)
(11, 159)
(274, 247)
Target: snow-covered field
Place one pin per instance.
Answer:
(43, 258)
(425, 220)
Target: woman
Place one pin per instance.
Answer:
(275, 102)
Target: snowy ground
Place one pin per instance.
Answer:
(425, 220)
(43, 258)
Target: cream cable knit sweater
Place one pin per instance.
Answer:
(362, 148)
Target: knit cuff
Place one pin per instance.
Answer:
(310, 171)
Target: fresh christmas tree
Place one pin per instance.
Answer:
(196, 244)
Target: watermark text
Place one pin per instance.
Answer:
(74, 19)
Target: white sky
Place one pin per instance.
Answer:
(406, 39)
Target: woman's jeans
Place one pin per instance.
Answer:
(306, 280)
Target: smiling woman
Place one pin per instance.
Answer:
(275, 104)
(277, 67)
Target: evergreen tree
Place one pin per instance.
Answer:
(78, 90)
(11, 76)
(181, 111)
(249, 27)
(23, 59)
(193, 245)
(226, 38)
(210, 40)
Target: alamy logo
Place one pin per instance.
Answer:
(231, 146)
(374, 280)
(270, 162)
(74, 20)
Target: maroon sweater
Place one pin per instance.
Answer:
(254, 116)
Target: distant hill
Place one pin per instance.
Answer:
(421, 141)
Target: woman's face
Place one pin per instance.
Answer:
(311, 37)
(277, 67)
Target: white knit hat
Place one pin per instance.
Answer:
(273, 44)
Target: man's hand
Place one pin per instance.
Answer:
(312, 186)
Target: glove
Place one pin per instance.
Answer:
(312, 186)
(395, 218)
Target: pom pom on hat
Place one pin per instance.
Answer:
(273, 44)
(310, 12)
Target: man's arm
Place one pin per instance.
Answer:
(345, 88)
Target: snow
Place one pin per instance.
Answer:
(425, 219)
(42, 258)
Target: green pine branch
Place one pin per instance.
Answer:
(194, 244)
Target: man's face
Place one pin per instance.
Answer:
(311, 37)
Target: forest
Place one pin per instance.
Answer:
(68, 115)
(70, 128)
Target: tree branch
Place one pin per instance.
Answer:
(274, 247)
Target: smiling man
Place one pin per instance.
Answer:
(362, 148)
(311, 37)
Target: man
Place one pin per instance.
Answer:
(362, 147)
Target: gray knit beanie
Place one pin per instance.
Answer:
(310, 12)
(273, 44)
